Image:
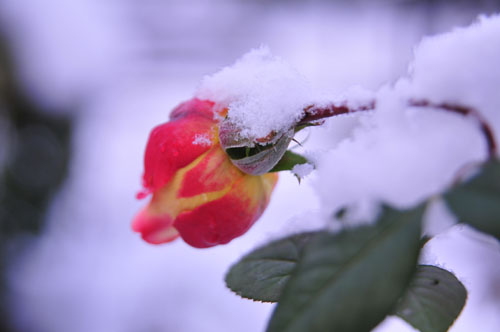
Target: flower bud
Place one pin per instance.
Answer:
(198, 194)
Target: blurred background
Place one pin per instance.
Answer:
(82, 82)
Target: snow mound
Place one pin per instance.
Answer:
(402, 155)
(261, 92)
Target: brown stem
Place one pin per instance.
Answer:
(314, 113)
(465, 111)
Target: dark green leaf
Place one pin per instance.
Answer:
(262, 274)
(350, 281)
(477, 201)
(288, 161)
(433, 300)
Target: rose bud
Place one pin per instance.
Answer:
(198, 193)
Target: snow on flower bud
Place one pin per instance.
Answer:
(198, 193)
(253, 156)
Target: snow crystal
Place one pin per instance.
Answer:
(202, 139)
(302, 170)
(461, 67)
(261, 91)
(402, 155)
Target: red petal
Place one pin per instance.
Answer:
(222, 220)
(195, 106)
(213, 173)
(170, 145)
(154, 229)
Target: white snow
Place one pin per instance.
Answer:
(202, 139)
(302, 170)
(403, 155)
(461, 66)
(261, 92)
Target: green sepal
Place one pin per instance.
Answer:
(288, 161)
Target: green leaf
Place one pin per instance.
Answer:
(350, 281)
(307, 124)
(262, 274)
(477, 201)
(288, 161)
(433, 300)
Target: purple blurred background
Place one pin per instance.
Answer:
(85, 81)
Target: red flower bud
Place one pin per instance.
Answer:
(197, 192)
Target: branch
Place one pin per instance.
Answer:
(314, 113)
(484, 126)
